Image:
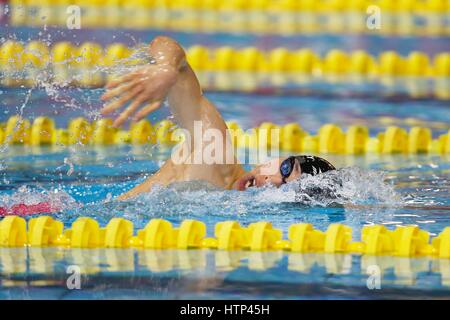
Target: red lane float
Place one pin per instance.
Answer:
(22, 209)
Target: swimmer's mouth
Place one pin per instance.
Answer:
(246, 182)
(250, 183)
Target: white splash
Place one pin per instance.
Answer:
(56, 198)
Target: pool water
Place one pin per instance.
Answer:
(83, 180)
(384, 189)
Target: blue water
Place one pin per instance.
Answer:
(204, 274)
(390, 190)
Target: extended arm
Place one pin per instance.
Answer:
(168, 76)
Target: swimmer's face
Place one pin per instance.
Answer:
(267, 174)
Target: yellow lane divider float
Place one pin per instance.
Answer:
(404, 241)
(330, 139)
(410, 17)
(226, 68)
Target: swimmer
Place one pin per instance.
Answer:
(168, 75)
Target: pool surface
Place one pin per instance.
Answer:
(392, 190)
(383, 189)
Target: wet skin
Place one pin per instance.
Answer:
(169, 76)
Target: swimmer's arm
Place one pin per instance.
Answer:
(169, 77)
(163, 177)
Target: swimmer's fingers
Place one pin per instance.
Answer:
(121, 80)
(147, 110)
(111, 107)
(129, 111)
(111, 93)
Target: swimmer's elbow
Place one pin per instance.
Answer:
(126, 196)
(146, 186)
(131, 193)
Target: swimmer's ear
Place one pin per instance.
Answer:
(297, 167)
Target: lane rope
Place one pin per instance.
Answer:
(85, 232)
(412, 17)
(330, 139)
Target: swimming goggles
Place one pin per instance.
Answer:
(286, 168)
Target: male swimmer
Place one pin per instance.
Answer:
(168, 75)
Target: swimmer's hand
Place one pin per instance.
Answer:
(146, 87)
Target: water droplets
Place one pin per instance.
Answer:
(71, 167)
(345, 186)
(57, 199)
(200, 199)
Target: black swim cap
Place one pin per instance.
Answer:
(314, 165)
